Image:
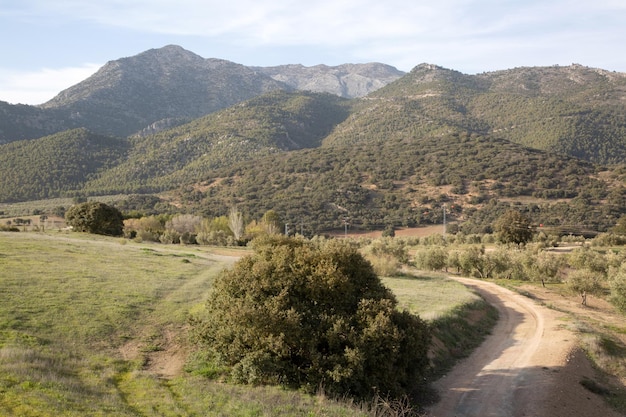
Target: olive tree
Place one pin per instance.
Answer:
(95, 217)
(309, 315)
(617, 280)
(431, 258)
(584, 282)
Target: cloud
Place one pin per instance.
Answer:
(37, 87)
(468, 35)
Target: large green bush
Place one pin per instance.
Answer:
(95, 217)
(313, 315)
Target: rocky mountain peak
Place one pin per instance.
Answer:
(347, 80)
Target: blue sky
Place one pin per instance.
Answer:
(50, 45)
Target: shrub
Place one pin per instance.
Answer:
(310, 315)
(95, 217)
(388, 246)
(8, 228)
(609, 239)
(145, 229)
(384, 265)
(170, 236)
(389, 231)
(431, 258)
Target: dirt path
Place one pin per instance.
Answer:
(529, 366)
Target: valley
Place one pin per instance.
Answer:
(362, 151)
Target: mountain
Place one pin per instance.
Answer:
(165, 87)
(347, 80)
(573, 110)
(128, 94)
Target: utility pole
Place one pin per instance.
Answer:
(345, 225)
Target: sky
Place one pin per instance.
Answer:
(50, 45)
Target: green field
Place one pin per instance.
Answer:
(96, 326)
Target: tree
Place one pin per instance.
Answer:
(587, 258)
(543, 266)
(584, 282)
(271, 222)
(235, 222)
(620, 227)
(95, 217)
(431, 258)
(313, 314)
(181, 228)
(618, 287)
(513, 227)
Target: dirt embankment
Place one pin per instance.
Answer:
(529, 366)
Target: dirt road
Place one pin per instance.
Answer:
(528, 366)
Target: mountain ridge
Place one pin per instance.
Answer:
(570, 110)
(127, 95)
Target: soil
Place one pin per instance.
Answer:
(530, 365)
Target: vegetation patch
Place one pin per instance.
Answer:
(459, 332)
(313, 314)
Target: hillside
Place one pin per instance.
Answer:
(274, 123)
(19, 121)
(46, 167)
(407, 182)
(573, 110)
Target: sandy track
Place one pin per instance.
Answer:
(528, 366)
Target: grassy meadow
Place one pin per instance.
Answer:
(96, 326)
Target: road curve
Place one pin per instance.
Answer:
(516, 371)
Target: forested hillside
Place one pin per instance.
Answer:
(19, 121)
(50, 166)
(407, 182)
(274, 123)
(574, 110)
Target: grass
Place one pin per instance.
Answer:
(460, 319)
(429, 296)
(82, 318)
